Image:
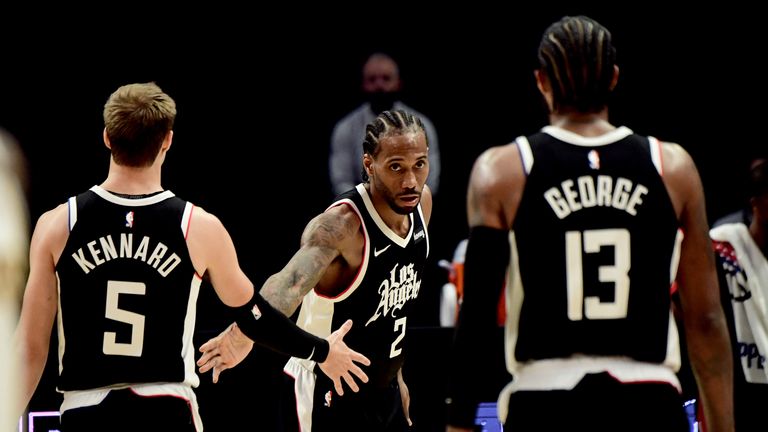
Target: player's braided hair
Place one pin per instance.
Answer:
(578, 56)
(388, 124)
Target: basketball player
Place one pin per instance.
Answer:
(122, 264)
(740, 254)
(361, 259)
(589, 222)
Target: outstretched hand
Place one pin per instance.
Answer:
(342, 360)
(224, 351)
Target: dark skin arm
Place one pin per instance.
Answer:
(493, 196)
(703, 318)
(325, 239)
(331, 246)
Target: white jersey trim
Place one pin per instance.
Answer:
(131, 202)
(304, 389)
(366, 254)
(525, 153)
(85, 398)
(72, 207)
(656, 155)
(565, 373)
(579, 140)
(186, 218)
(400, 241)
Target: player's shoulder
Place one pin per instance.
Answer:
(52, 226)
(205, 224)
(55, 216)
(675, 156)
(340, 214)
(498, 165)
(335, 225)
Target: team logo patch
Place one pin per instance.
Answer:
(129, 219)
(328, 397)
(256, 312)
(594, 159)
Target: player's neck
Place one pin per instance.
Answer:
(399, 223)
(584, 124)
(131, 180)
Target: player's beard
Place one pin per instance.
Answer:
(393, 202)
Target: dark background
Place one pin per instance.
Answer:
(258, 90)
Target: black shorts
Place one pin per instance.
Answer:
(124, 410)
(371, 410)
(599, 403)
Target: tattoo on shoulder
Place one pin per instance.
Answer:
(330, 229)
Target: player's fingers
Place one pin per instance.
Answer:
(216, 373)
(208, 365)
(359, 358)
(345, 327)
(351, 382)
(338, 386)
(359, 373)
(206, 357)
(208, 346)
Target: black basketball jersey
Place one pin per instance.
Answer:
(382, 294)
(127, 292)
(596, 245)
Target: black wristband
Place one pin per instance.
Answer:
(321, 351)
(485, 266)
(267, 326)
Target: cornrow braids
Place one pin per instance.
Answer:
(578, 56)
(389, 124)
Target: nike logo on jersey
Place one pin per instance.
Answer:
(380, 251)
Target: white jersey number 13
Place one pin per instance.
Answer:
(592, 241)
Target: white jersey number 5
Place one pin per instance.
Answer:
(110, 346)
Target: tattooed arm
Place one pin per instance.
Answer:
(331, 245)
(326, 239)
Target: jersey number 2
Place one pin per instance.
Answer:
(136, 345)
(399, 326)
(617, 274)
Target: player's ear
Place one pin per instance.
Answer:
(542, 81)
(368, 164)
(106, 139)
(167, 141)
(615, 79)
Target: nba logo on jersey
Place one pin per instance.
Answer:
(129, 219)
(328, 398)
(594, 160)
(256, 312)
